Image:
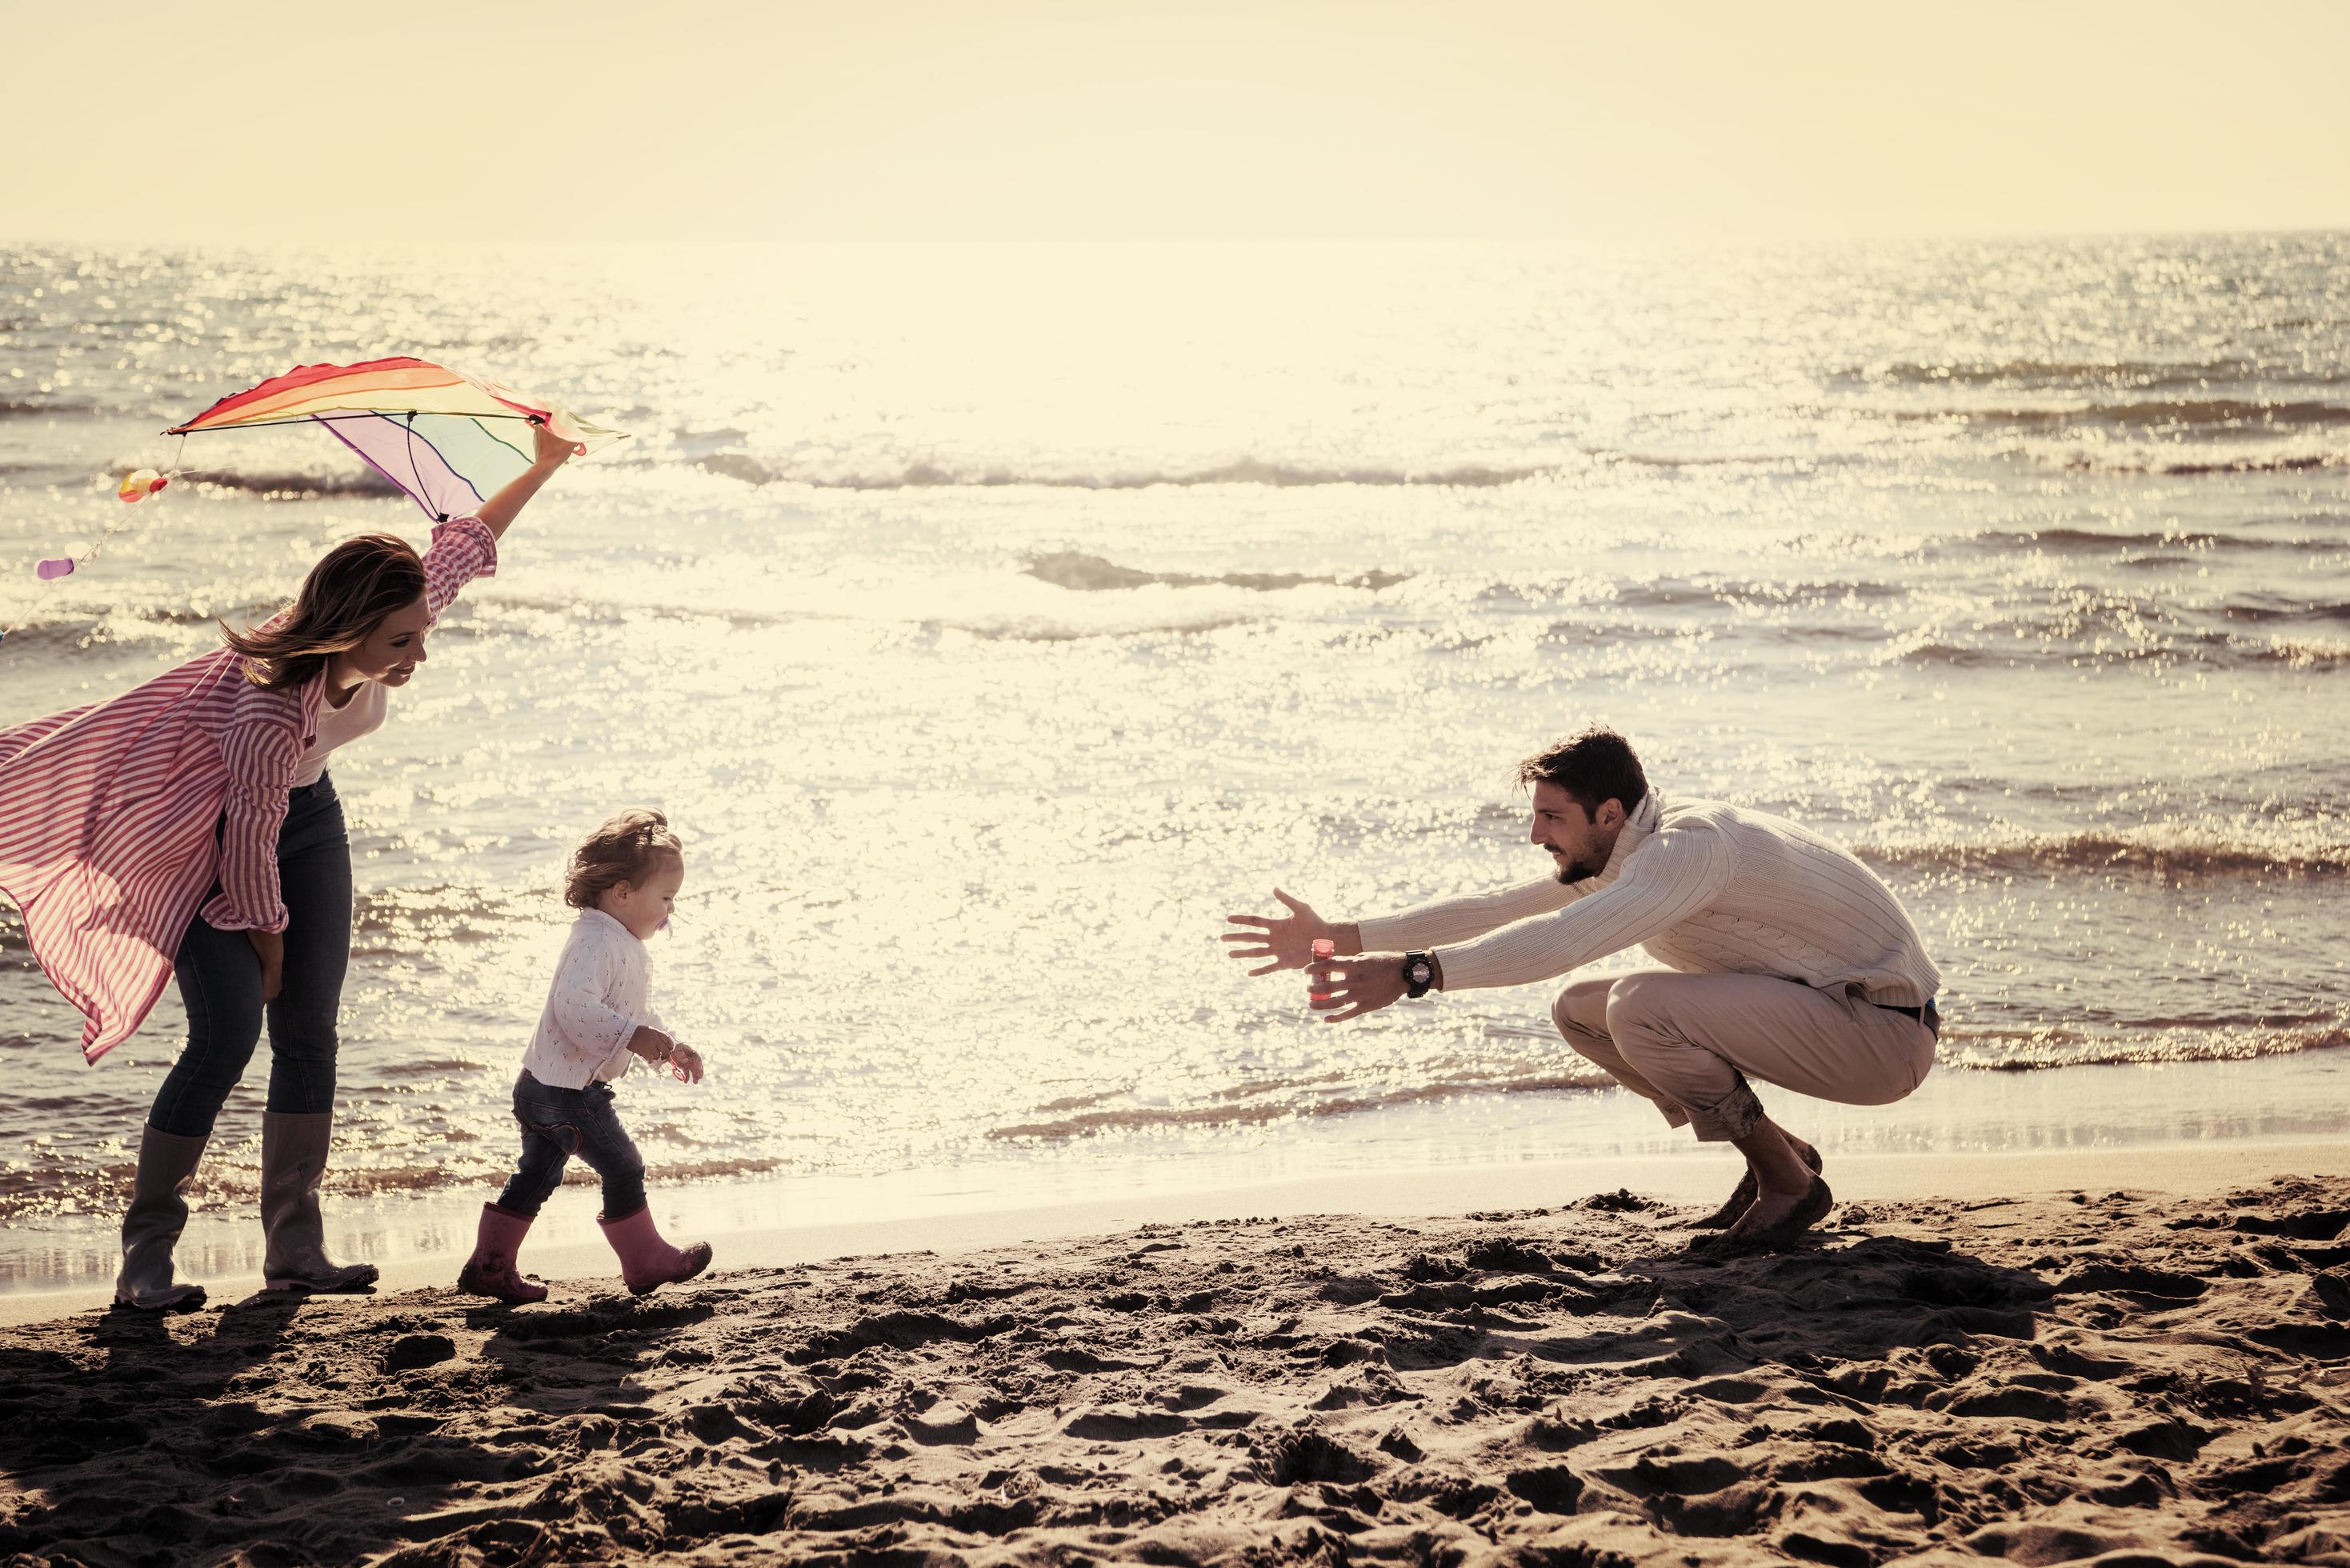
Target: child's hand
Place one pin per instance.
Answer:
(685, 1062)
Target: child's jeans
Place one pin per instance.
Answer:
(559, 1123)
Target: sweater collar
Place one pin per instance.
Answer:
(1645, 819)
(609, 922)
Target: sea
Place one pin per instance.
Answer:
(992, 620)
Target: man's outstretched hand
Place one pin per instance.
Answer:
(1349, 987)
(1286, 941)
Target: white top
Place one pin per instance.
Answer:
(593, 1007)
(361, 714)
(1706, 888)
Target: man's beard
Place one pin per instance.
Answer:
(1575, 871)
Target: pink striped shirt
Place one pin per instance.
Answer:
(107, 814)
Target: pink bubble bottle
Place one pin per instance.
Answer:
(1322, 948)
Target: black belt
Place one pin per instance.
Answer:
(1925, 1015)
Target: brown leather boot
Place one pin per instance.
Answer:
(293, 1162)
(152, 1226)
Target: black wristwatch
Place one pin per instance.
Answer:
(1419, 974)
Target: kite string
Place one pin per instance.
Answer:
(105, 536)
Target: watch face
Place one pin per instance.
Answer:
(1421, 972)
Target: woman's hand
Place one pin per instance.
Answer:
(1288, 943)
(497, 514)
(554, 451)
(685, 1062)
(270, 948)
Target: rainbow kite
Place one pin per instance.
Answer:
(448, 439)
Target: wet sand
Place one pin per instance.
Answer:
(2053, 1377)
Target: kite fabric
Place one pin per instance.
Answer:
(448, 439)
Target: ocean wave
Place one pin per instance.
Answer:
(1246, 470)
(1232, 1111)
(1965, 1047)
(2142, 375)
(2160, 1042)
(1682, 593)
(2277, 607)
(1046, 628)
(2218, 413)
(296, 484)
(2093, 540)
(388, 920)
(2310, 652)
(227, 1179)
(2044, 647)
(1708, 460)
(2301, 463)
(35, 407)
(1092, 574)
(2171, 849)
(72, 632)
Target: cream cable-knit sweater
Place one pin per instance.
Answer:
(1706, 889)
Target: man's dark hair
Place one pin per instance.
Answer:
(1593, 767)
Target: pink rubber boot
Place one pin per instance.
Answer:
(647, 1263)
(490, 1271)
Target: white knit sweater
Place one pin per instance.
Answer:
(594, 1005)
(1705, 887)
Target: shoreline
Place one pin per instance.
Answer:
(1468, 1143)
(575, 1268)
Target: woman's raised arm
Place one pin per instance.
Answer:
(500, 509)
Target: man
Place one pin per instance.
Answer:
(1784, 960)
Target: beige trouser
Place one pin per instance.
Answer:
(1688, 1041)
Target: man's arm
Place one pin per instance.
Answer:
(1287, 942)
(1673, 877)
(1453, 920)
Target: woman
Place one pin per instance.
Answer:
(189, 828)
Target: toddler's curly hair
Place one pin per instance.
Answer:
(626, 848)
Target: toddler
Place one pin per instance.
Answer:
(596, 1024)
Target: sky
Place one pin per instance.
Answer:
(1275, 120)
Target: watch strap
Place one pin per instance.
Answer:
(1419, 974)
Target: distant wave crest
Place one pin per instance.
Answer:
(1231, 1110)
(296, 484)
(2310, 652)
(2049, 374)
(2294, 462)
(2093, 540)
(1246, 470)
(2177, 849)
(2207, 412)
(1092, 574)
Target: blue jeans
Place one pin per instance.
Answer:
(559, 1123)
(220, 981)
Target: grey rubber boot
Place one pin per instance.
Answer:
(152, 1226)
(293, 1162)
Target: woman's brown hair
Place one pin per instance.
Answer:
(345, 597)
(624, 849)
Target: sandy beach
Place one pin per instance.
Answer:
(2149, 1365)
